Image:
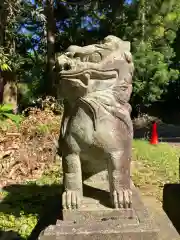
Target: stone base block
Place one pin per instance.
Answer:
(92, 209)
(111, 229)
(104, 223)
(80, 216)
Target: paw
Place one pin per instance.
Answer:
(122, 198)
(71, 200)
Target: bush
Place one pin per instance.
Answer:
(152, 75)
(6, 112)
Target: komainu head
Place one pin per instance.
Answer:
(98, 67)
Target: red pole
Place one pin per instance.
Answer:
(154, 135)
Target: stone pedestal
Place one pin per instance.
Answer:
(96, 220)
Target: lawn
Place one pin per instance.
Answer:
(155, 165)
(23, 205)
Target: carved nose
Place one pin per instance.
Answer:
(62, 67)
(67, 67)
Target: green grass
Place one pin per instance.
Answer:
(23, 205)
(156, 165)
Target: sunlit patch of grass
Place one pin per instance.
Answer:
(23, 204)
(158, 165)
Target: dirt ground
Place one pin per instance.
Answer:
(26, 151)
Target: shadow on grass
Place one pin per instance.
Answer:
(44, 201)
(9, 235)
(171, 200)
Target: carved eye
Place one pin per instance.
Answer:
(95, 57)
(77, 55)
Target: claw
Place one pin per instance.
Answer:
(78, 201)
(71, 200)
(126, 199)
(115, 198)
(122, 198)
(68, 199)
(130, 199)
(64, 200)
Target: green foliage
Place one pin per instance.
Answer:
(152, 27)
(152, 75)
(4, 61)
(6, 113)
(155, 23)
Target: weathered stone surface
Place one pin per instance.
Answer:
(167, 230)
(96, 134)
(141, 227)
(105, 231)
(162, 222)
(95, 203)
(81, 216)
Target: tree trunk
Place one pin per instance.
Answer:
(3, 20)
(2, 32)
(10, 90)
(50, 28)
(1, 88)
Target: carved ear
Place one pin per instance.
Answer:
(95, 57)
(128, 57)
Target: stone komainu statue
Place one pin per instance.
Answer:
(95, 82)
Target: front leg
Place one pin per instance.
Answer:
(119, 179)
(71, 198)
(64, 122)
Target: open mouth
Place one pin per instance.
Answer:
(73, 68)
(72, 71)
